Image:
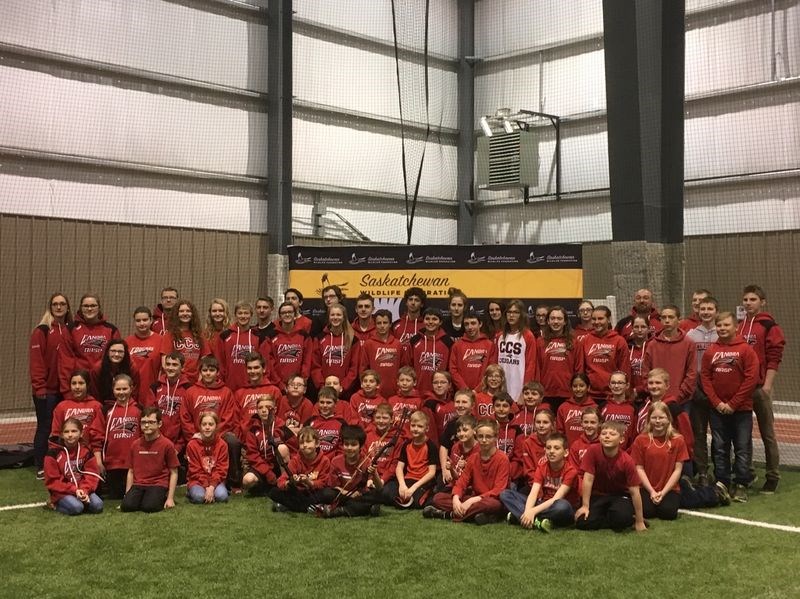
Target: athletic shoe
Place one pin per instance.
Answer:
(431, 511)
(375, 510)
(236, 490)
(279, 507)
(740, 494)
(770, 486)
(722, 493)
(481, 519)
(511, 518)
(40, 475)
(545, 525)
(687, 482)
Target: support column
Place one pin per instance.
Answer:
(466, 121)
(279, 137)
(644, 58)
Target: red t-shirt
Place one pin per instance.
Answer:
(151, 461)
(551, 480)
(658, 458)
(612, 475)
(417, 458)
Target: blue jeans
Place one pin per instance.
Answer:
(561, 513)
(197, 494)
(732, 430)
(72, 506)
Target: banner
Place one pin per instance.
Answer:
(549, 274)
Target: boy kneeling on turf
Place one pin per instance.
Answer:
(554, 493)
(307, 473)
(153, 475)
(476, 494)
(352, 489)
(416, 467)
(265, 435)
(610, 496)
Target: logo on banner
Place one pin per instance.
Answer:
(534, 259)
(413, 259)
(301, 260)
(356, 260)
(475, 259)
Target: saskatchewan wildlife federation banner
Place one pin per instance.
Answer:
(536, 274)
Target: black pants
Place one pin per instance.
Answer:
(234, 460)
(666, 510)
(420, 498)
(141, 498)
(296, 500)
(44, 421)
(114, 486)
(608, 511)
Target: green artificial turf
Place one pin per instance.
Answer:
(243, 549)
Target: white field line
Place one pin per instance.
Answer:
(21, 506)
(756, 523)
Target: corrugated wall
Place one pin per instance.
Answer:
(127, 265)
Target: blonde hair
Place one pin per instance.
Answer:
(671, 432)
(211, 327)
(493, 369)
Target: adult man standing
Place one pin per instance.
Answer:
(642, 306)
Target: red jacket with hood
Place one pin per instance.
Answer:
(169, 397)
(207, 462)
(764, 335)
(44, 351)
(598, 357)
(730, 374)
(83, 346)
(625, 326)
(386, 358)
(287, 354)
(469, 359)
(232, 346)
(678, 356)
(332, 356)
(247, 402)
(556, 365)
(215, 397)
(258, 443)
(427, 355)
(67, 470)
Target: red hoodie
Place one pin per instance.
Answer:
(332, 356)
(376, 442)
(289, 354)
(730, 373)
(764, 335)
(689, 323)
(232, 346)
(427, 355)
(208, 462)
(319, 468)
(386, 358)
(146, 358)
(404, 328)
(43, 358)
(678, 357)
(556, 366)
(83, 346)
(487, 478)
(215, 397)
(625, 326)
(363, 334)
(636, 364)
(191, 348)
(169, 397)
(258, 443)
(362, 407)
(469, 359)
(598, 357)
(160, 320)
(569, 417)
(121, 430)
(247, 402)
(68, 470)
(86, 411)
(624, 413)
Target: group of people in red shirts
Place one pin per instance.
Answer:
(469, 417)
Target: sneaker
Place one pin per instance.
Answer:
(236, 490)
(686, 482)
(545, 525)
(482, 519)
(722, 493)
(770, 486)
(702, 480)
(431, 511)
(40, 475)
(279, 507)
(375, 510)
(740, 494)
(511, 518)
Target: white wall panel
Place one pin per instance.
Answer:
(570, 85)
(46, 113)
(768, 206)
(744, 137)
(374, 19)
(567, 221)
(165, 37)
(141, 205)
(503, 26)
(355, 79)
(363, 160)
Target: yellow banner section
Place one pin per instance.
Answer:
(488, 283)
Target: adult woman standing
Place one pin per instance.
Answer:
(493, 318)
(333, 352)
(453, 325)
(184, 336)
(46, 340)
(86, 340)
(557, 357)
(218, 319)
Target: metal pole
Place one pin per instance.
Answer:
(466, 121)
